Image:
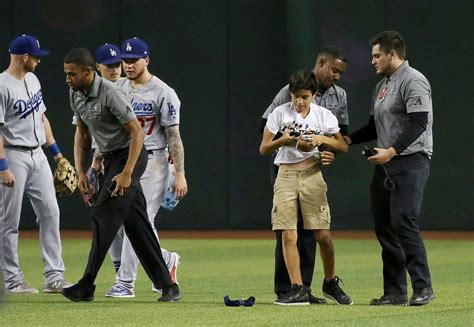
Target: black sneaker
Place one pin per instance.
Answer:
(298, 295)
(332, 291)
(422, 296)
(316, 300)
(170, 294)
(391, 299)
(312, 299)
(82, 291)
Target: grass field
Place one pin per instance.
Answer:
(211, 269)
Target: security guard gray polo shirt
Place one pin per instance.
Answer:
(334, 99)
(104, 110)
(394, 97)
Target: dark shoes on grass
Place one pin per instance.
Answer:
(170, 294)
(312, 299)
(333, 291)
(82, 291)
(316, 300)
(301, 295)
(391, 299)
(420, 297)
(297, 295)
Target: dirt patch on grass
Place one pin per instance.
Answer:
(259, 234)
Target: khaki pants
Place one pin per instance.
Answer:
(304, 189)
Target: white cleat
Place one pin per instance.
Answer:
(120, 291)
(22, 288)
(57, 286)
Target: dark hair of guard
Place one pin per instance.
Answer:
(331, 52)
(388, 40)
(81, 57)
(303, 80)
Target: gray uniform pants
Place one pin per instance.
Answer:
(34, 179)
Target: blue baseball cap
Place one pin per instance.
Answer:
(134, 48)
(27, 44)
(108, 54)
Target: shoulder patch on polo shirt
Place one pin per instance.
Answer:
(418, 102)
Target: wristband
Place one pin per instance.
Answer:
(3, 164)
(54, 149)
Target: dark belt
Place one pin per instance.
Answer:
(411, 155)
(154, 150)
(21, 147)
(110, 154)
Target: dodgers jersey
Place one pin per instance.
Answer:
(156, 105)
(21, 110)
(319, 121)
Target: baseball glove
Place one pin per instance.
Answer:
(94, 182)
(65, 177)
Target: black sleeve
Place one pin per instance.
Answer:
(344, 129)
(366, 133)
(263, 122)
(416, 126)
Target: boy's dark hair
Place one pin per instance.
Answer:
(331, 52)
(388, 40)
(81, 57)
(303, 80)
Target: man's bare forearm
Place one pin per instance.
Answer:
(136, 144)
(134, 150)
(2, 150)
(82, 146)
(176, 147)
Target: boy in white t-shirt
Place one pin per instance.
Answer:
(303, 127)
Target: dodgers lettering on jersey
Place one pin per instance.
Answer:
(21, 110)
(146, 116)
(156, 105)
(142, 108)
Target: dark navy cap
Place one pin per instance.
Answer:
(108, 54)
(27, 44)
(134, 48)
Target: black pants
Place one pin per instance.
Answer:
(109, 214)
(306, 248)
(395, 213)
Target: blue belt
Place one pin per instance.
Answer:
(154, 150)
(22, 147)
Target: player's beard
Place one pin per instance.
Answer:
(135, 75)
(30, 67)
